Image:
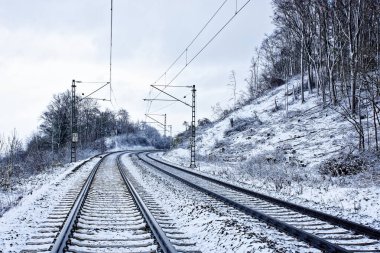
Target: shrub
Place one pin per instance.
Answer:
(221, 143)
(343, 165)
(242, 124)
(204, 122)
(271, 168)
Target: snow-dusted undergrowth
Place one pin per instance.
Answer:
(26, 186)
(281, 153)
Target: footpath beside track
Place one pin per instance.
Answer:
(320, 230)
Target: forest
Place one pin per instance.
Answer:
(334, 49)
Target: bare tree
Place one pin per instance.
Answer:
(232, 83)
(13, 151)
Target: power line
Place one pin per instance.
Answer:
(237, 11)
(208, 43)
(186, 49)
(101, 87)
(83, 82)
(166, 106)
(192, 41)
(114, 98)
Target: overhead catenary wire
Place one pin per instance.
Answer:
(237, 11)
(192, 41)
(114, 99)
(83, 82)
(110, 70)
(208, 43)
(186, 50)
(112, 93)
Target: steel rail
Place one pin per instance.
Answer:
(164, 243)
(310, 239)
(349, 225)
(61, 240)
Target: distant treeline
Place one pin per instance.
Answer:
(50, 145)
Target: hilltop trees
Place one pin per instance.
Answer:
(56, 121)
(332, 43)
(10, 156)
(334, 46)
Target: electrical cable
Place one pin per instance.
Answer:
(114, 97)
(192, 41)
(186, 49)
(166, 106)
(110, 69)
(208, 43)
(81, 82)
(237, 11)
(94, 91)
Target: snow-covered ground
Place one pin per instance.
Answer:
(37, 197)
(280, 154)
(214, 226)
(266, 150)
(26, 186)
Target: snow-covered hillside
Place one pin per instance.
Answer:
(307, 135)
(281, 154)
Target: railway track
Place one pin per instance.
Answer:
(108, 214)
(320, 230)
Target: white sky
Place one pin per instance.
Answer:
(46, 43)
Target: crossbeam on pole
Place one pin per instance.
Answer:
(158, 99)
(176, 99)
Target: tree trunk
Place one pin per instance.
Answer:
(375, 123)
(302, 90)
(309, 79)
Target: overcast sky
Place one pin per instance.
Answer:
(46, 43)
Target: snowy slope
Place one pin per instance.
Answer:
(309, 130)
(280, 153)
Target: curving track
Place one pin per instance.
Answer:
(323, 231)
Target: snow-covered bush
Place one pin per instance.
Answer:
(243, 124)
(273, 169)
(343, 165)
(203, 122)
(220, 143)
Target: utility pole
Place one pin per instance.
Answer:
(171, 136)
(74, 130)
(192, 140)
(149, 115)
(192, 106)
(165, 125)
(74, 114)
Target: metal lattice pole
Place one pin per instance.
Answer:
(165, 125)
(192, 139)
(74, 132)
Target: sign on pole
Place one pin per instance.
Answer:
(75, 137)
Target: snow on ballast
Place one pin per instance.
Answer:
(328, 236)
(105, 215)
